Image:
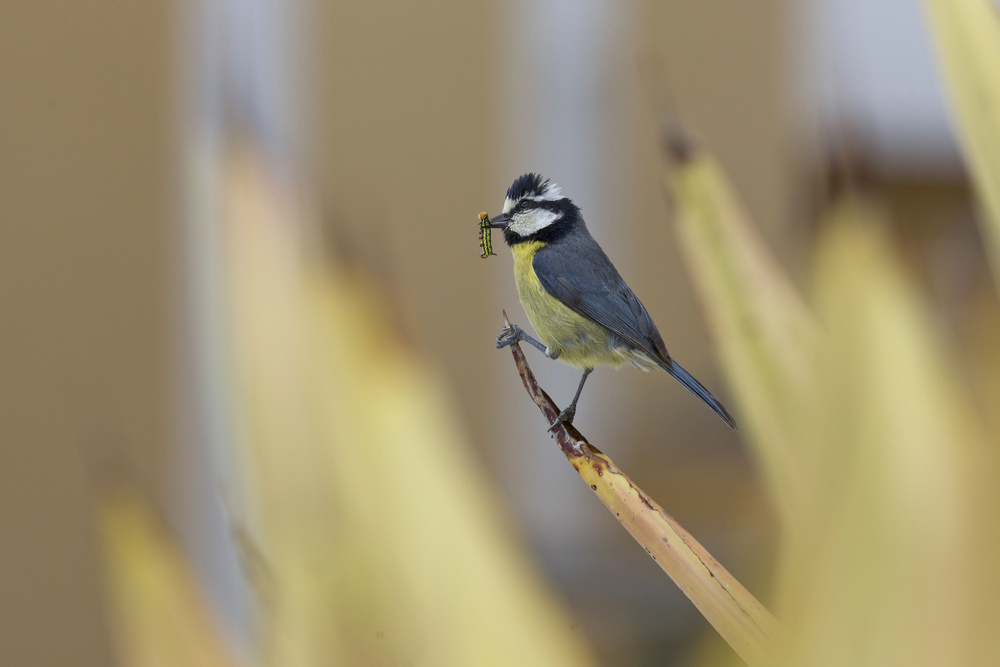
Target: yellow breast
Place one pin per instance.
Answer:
(578, 341)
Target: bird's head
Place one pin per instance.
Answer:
(535, 208)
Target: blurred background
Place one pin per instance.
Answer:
(242, 290)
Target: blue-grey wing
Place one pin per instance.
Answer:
(577, 272)
(584, 279)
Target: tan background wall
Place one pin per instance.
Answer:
(85, 244)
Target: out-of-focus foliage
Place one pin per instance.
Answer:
(968, 39)
(156, 605)
(880, 462)
(383, 540)
(737, 615)
(369, 535)
(893, 567)
(767, 339)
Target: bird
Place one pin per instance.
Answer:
(583, 311)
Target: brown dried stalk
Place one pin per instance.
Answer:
(741, 620)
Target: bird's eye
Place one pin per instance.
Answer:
(526, 203)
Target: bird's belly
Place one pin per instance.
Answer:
(577, 340)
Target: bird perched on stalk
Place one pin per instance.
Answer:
(581, 308)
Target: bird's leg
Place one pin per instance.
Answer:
(569, 412)
(515, 334)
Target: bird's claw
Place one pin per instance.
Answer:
(509, 336)
(565, 417)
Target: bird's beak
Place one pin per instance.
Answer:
(500, 221)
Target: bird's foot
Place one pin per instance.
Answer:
(514, 334)
(565, 417)
(510, 335)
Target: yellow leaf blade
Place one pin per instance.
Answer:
(385, 543)
(736, 614)
(766, 336)
(967, 33)
(890, 567)
(158, 612)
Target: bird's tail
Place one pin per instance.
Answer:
(698, 390)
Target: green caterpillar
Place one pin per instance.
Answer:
(485, 236)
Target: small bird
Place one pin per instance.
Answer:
(582, 309)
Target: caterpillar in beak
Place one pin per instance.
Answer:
(485, 236)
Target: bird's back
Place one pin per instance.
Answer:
(576, 271)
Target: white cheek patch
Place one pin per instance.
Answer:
(531, 221)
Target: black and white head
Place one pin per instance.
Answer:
(535, 209)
